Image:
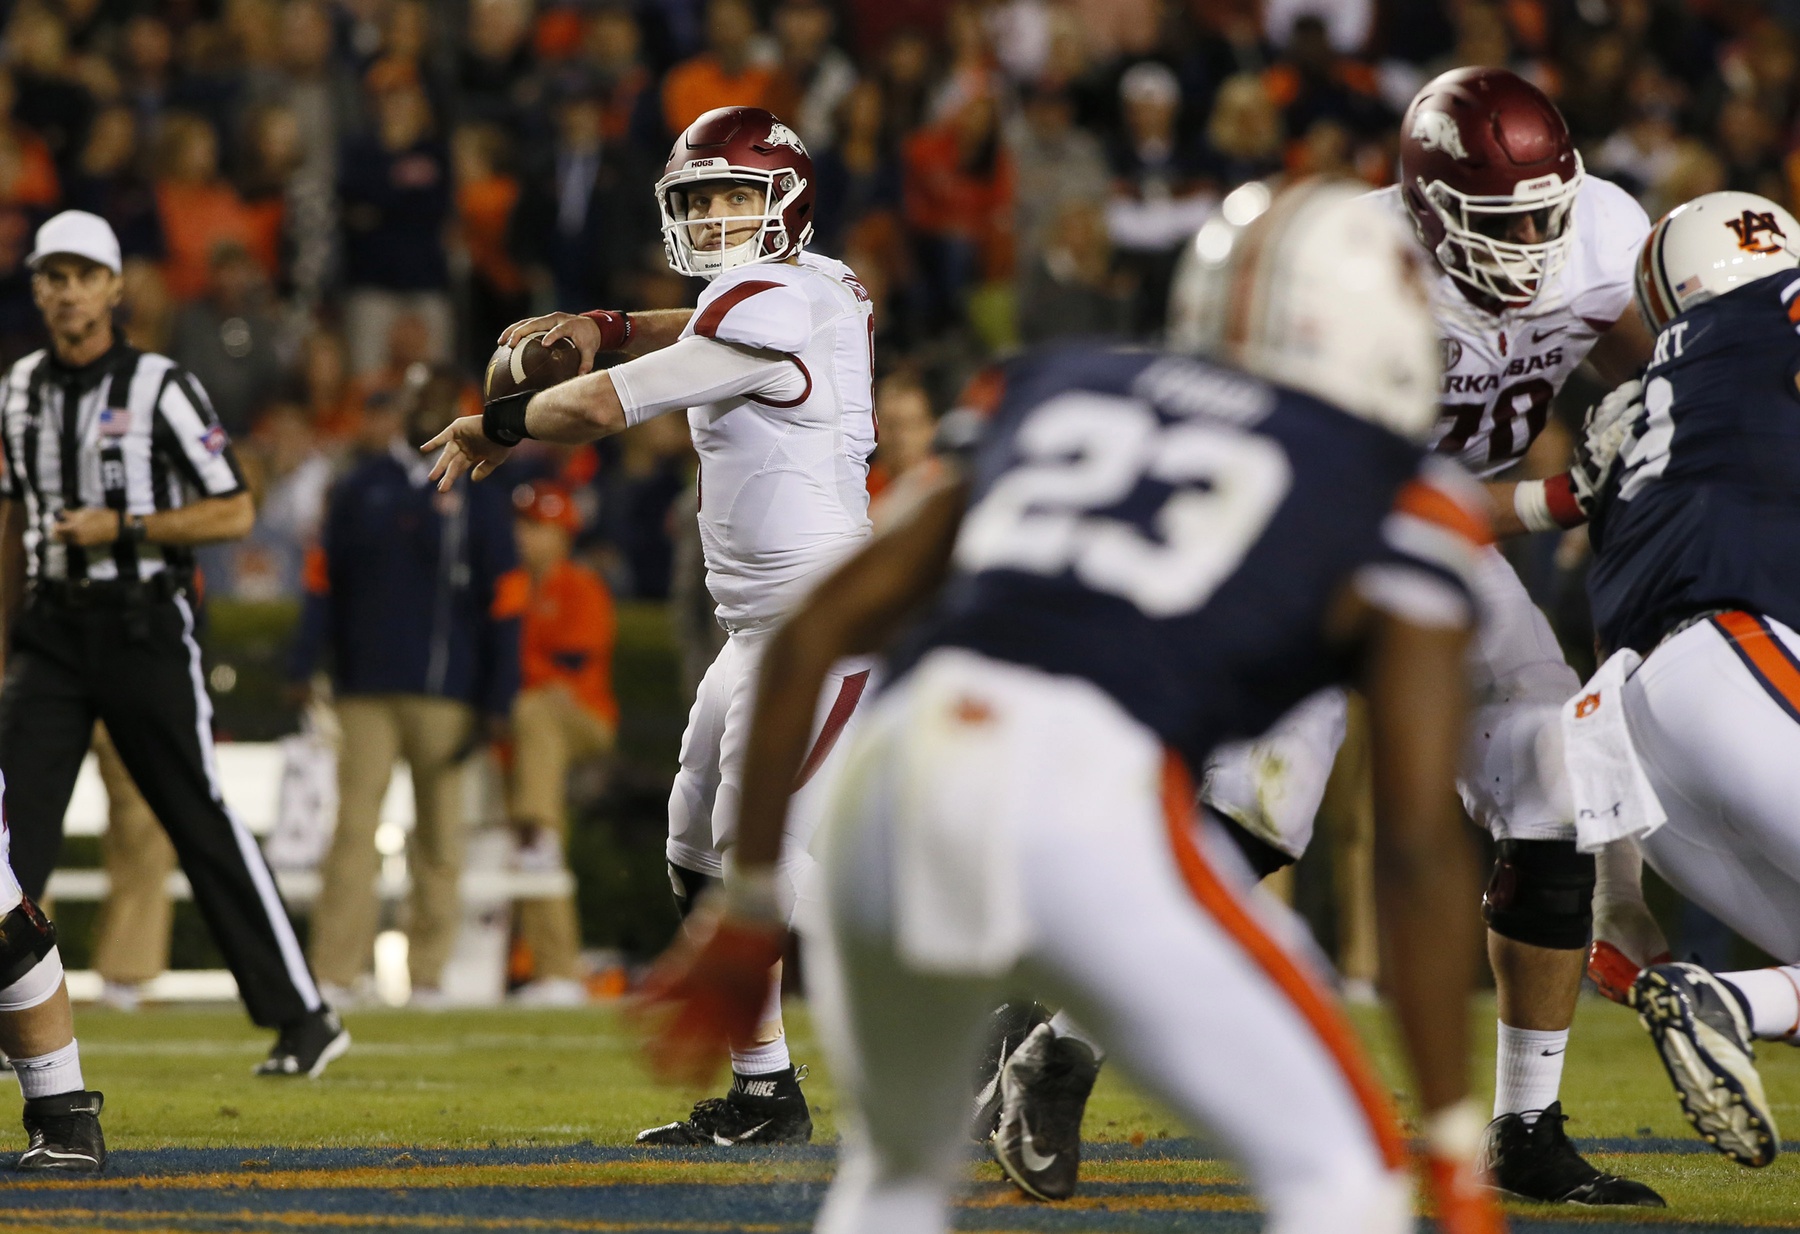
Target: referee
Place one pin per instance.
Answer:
(115, 468)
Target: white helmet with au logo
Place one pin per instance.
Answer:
(1315, 287)
(1710, 246)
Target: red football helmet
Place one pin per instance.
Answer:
(737, 145)
(1490, 175)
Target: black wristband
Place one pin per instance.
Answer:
(503, 420)
(134, 528)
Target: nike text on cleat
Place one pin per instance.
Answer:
(1704, 1041)
(1044, 1089)
(65, 1134)
(1612, 971)
(1009, 1025)
(307, 1046)
(767, 1109)
(1536, 1161)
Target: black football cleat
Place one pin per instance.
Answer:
(1704, 1039)
(762, 1109)
(1536, 1161)
(307, 1046)
(1044, 1089)
(65, 1134)
(1007, 1027)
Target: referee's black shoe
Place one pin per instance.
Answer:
(1536, 1161)
(65, 1134)
(307, 1046)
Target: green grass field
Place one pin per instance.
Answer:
(510, 1094)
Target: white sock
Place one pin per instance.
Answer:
(1774, 998)
(1528, 1066)
(49, 1074)
(1063, 1025)
(762, 1059)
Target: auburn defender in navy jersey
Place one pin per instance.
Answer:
(1150, 554)
(1697, 573)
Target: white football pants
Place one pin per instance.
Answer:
(1510, 784)
(703, 804)
(1715, 717)
(1000, 833)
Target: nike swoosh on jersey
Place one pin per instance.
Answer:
(1538, 338)
(1035, 1161)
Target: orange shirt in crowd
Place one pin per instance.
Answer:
(568, 635)
(943, 199)
(195, 219)
(484, 208)
(694, 87)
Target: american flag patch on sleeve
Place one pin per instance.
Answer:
(114, 421)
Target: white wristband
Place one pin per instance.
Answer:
(1532, 506)
(749, 896)
(1454, 1132)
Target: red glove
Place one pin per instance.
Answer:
(707, 990)
(615, 328)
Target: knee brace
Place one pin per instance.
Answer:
(1541, 893)
(688, 886)
(30, 968)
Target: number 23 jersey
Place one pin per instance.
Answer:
(1502, 369)
(1174, 532)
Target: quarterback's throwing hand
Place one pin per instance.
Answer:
(465, 449)
(586, 333)
(709, 989)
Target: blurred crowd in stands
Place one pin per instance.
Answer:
(327, 203)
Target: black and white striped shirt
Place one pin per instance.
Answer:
(143, 438)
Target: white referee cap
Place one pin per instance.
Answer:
(78, 232)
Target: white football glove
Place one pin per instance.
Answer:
(1609, 426)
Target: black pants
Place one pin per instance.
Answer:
(138, 669)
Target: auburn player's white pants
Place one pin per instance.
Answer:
(997, 832)
(1513, 781)
(1715, 716)
(703, 805)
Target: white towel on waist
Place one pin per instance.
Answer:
(1612, 796)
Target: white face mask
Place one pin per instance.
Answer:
(692, 252)
(1474, 250)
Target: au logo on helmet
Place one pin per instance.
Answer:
(1435, 130)
(781, 135)
(1750, 226)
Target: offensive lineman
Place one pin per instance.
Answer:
(1696, 539)
(773, 368)
(1532, 262)
(1156, 552)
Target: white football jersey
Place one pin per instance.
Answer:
(1502, 369)
(784, 480)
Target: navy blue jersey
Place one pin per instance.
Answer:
(1703, 508)
(1173, 532)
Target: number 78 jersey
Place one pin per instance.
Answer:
(1501, 370)
(1175, 531)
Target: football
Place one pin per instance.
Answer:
(529, 366)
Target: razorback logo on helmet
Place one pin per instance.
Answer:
(1751, 225)
(1435, 130)
(781, 135)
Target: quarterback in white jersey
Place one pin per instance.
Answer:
(774, 370)
(1533, 263)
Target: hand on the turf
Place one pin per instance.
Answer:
(466, 449)
(1465, 1204)
(584, 332)
(710, 988)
